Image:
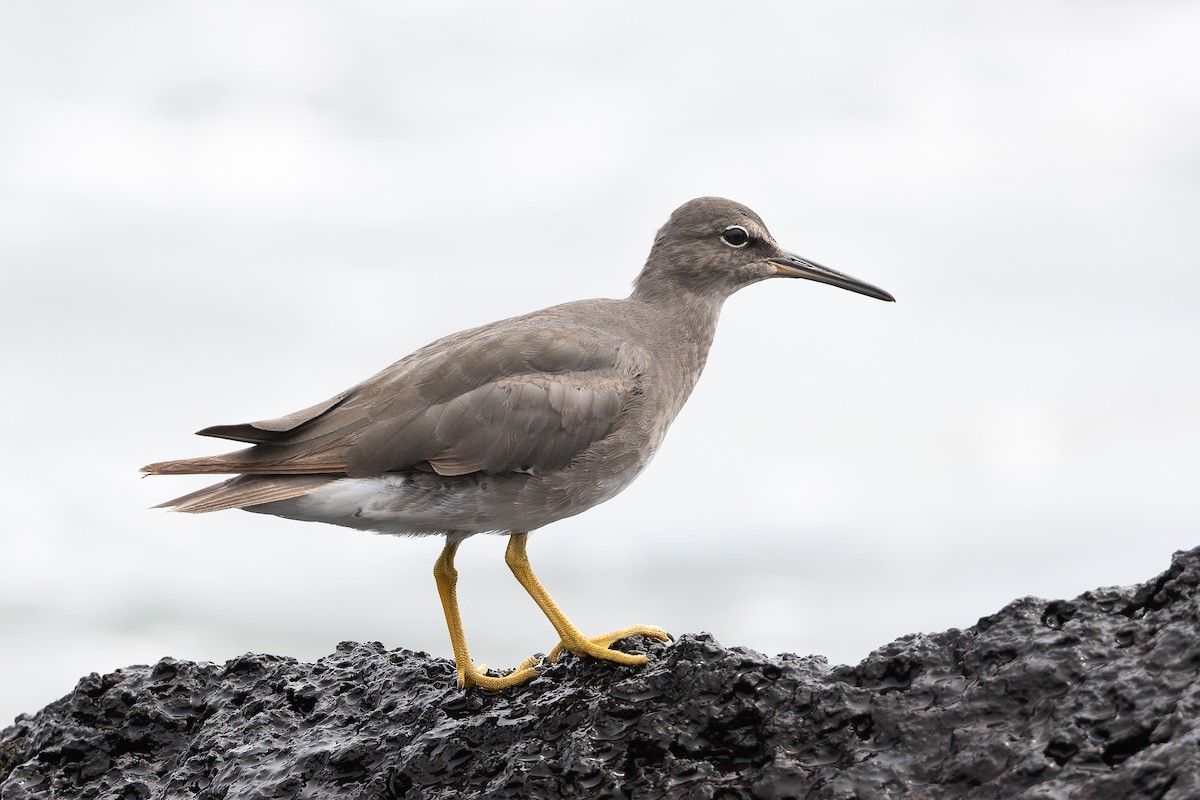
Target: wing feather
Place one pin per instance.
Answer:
(533, 423)
(525, 398)
(270, 430)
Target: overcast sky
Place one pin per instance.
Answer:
(213, 212)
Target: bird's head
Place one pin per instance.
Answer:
(715, 246)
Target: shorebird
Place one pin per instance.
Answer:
(514, 425)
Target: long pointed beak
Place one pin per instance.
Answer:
(790, 265)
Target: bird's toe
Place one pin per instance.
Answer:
(470, 676)
(599, 646)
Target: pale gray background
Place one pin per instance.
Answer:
(213, 212)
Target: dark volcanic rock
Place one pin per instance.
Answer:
(1096, 698)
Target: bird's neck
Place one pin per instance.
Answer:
(684, 324)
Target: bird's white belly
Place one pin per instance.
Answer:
(418, 504)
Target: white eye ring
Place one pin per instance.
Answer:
(735, 236)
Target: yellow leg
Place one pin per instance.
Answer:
(571, 638)
(468, 675)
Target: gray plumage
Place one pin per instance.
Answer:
(513, 425)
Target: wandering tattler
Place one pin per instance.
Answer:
(513, 425)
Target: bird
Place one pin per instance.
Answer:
(514, 425)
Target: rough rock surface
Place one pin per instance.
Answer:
(1094, 698)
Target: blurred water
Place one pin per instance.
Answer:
(227, 211)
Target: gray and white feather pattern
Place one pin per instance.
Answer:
(516, 424)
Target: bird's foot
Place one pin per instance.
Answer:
(598, 646)
(470, 675)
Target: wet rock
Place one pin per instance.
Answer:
(1093, 699)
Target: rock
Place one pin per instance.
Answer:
(1093, 699)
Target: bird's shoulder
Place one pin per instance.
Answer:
(580, 337)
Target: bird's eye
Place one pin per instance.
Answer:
(735, 236)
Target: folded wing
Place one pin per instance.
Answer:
(476, 402)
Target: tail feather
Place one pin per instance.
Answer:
(205, 465)
(265, 460)
(247, 490)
